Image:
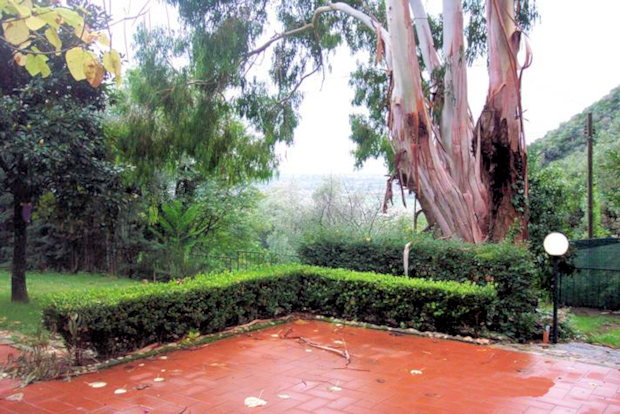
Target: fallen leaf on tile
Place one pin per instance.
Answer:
(217, 364)
(15, 397)
(253, 402)
(97, 384)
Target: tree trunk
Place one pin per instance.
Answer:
(415, 139)
(471, 182)
(500, 126)
(19, 292)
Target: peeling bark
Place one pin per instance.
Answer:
(413, 135)
(471, 182)
(500, 127)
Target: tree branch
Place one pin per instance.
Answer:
(141, 13)
(307, 75)
(425, 37)
(368, 21)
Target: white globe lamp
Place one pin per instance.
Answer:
(556, 244)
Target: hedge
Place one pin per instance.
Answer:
(509, 268)
(117, 321)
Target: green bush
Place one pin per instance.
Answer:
(118, 321)
(510, 269)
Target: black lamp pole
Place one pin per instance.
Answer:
(556, 297)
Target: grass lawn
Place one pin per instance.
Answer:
(597, 328)
(26, 318)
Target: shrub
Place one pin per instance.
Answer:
(511, 269)
(117, 321)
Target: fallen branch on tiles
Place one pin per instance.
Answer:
(343, 353)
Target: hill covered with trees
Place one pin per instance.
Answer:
(561, 156)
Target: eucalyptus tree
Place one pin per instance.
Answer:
(470, 177)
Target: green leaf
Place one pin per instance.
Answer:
(49, 15)
(16, 32)
(76, 58)
(14, 8)
(52, 36)
(70, 17)
(35, 23)
(37, 64)
(112, 63)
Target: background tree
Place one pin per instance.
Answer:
(202, 222)
(564, 149)
(177, 113)
(550, 206)
(50, 140)
(469, 177)
(291, 216)
(48, 144)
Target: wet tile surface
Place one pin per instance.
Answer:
(387, 374)
(6, 385)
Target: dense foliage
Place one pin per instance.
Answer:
(294, 212)
(38, 31)
(118, 321)
(564, 151)
(510, 269)
(52, 143)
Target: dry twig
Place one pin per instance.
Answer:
(343, 353)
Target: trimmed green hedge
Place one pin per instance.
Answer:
(117, 321)
(510, 269)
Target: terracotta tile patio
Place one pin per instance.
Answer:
(387, 374)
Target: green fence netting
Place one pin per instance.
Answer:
(596, 281)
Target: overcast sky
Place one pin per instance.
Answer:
(576, 62)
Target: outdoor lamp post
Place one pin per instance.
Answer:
(556, 244)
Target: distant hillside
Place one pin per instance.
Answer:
(562, 153)
(569, 138)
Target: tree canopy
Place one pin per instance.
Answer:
(40, 30)
(414, 86)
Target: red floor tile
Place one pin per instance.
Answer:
(387, 374)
